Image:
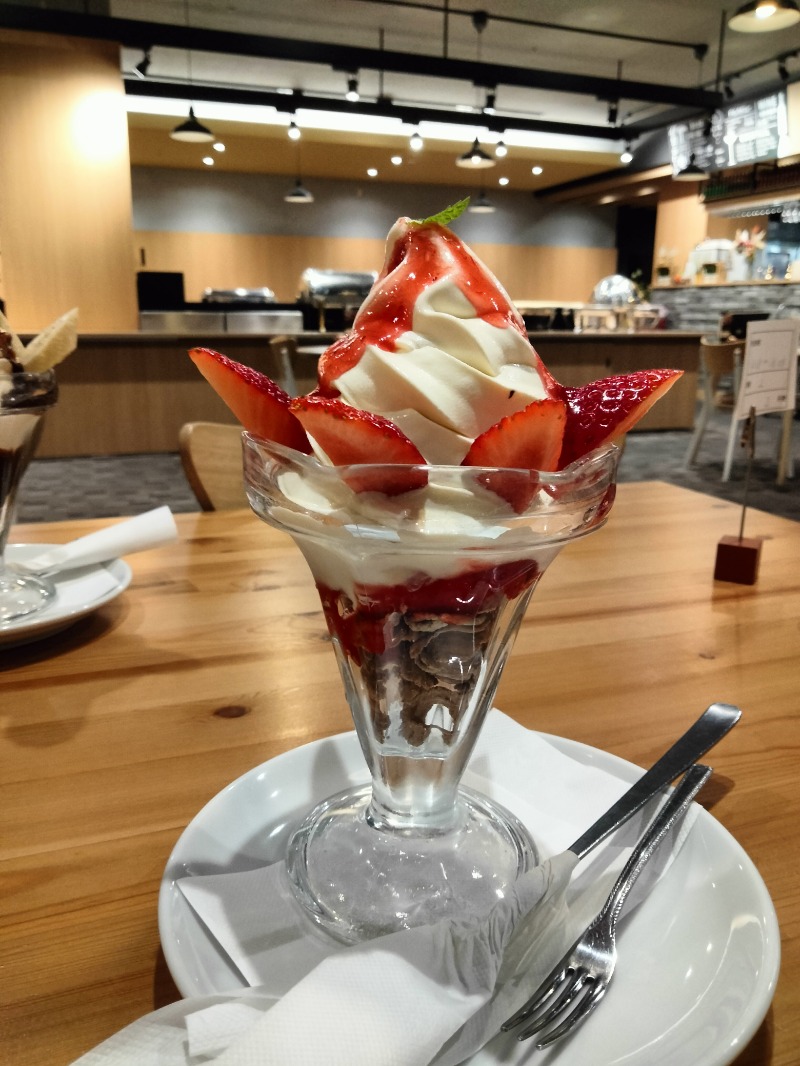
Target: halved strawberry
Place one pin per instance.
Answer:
(603, 410)
(350, 436)
(258, 402)
(530, 439)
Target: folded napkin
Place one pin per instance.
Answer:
(148, 530)
(434, 994)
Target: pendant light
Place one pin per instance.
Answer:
(764, 16)
(192, 131)
(299, 194)
(475, 158)
(481, 205)
(691, 172)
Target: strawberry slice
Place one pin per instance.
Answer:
(258, 402)
(603, 410)
(528, 440)
(350, 436)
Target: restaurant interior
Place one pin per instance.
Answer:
(198, 174)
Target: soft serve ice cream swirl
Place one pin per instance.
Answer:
(437, 348)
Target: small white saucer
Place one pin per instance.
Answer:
(78, 593)
(698, 961)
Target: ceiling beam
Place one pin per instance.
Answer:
(411, 114)
(142, 34)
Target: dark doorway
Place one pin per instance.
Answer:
(636, 234)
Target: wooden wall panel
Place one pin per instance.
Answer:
(227, 260)
(65, 209)
(681, 222)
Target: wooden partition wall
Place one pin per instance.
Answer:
(228, 260)
(65, 203)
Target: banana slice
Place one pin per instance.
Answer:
(52, 345)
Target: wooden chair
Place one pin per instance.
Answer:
(717, 360)
(211, 454)
(290, 358)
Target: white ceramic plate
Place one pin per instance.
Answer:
(698, 962)
(78, 593)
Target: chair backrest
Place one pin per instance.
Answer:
(719, 357)
(211, 453)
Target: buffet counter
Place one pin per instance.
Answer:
(131, 393)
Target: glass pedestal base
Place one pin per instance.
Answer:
(22, 595)
(358, 881)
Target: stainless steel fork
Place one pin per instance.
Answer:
(576, 985)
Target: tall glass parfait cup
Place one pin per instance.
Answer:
(24, 399)
(423, 589)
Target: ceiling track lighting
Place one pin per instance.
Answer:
(481, 205)
(142, 67)
(613, 112)
(192, 131)
(415, 141)
(500, 149)
(475, 158)
(727, 90)
(299, 194)
(626, 156)
(783, 72)
(765, 16)
(491, 100)
(352, 95)
(691, 172)
(293, 131)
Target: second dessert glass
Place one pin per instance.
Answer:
(423, 592)
(24, 399)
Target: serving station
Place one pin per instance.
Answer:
(142, 387)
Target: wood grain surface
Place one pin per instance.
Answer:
(117, 731)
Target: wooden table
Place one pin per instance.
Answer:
(117, 731)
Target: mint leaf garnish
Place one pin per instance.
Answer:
(444, 218)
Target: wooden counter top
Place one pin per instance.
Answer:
(130, 393)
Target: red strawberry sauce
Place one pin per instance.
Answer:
(424, 255)
(365, 625)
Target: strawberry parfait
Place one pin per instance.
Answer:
(429, 480)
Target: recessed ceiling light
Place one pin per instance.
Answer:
(397, 160)
(218, 146)
(502, 181)
(208, 160)
(372, 172)
(536, 170)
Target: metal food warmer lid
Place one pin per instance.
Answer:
(257, 297)
(614, 290)
(335, 288)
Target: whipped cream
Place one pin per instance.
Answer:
(449, 378)
(452, 524)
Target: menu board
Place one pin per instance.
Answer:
(769, 376)
(734, 136)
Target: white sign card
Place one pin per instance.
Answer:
(769, 375)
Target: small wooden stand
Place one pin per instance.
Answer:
(738, 558)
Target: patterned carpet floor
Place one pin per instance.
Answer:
(110, 486)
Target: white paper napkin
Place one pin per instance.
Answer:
(148, 530)
(428, 995)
